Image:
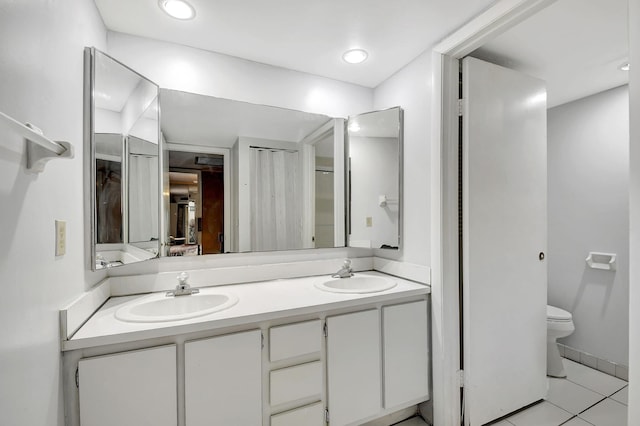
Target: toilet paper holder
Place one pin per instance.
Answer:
(604, 261)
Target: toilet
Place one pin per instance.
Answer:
(559, 324)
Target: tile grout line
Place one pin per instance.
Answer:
(593, 390)
(563, 409)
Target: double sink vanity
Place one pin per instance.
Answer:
(302, 351)
(308, 350)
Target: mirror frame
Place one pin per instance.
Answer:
(89, 157)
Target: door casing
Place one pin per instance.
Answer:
(445, 297)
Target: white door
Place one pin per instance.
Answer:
(504, 233)
(223, 380)
(354, 379)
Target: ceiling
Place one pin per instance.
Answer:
(576, 46)
(193, 119)
(307, 36)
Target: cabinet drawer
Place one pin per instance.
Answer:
(288, 341)
(293, 383)
(309, 415)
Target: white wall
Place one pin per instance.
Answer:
(374, 172)
(634, 252)
(177, 67)
(588, 163)
(411, 88)
(41, 64)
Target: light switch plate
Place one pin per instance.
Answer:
(369, 221)
(61, 237)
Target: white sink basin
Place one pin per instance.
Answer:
(158, 307)
(356, 284)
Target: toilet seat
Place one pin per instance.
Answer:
(557, 315)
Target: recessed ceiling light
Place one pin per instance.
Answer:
(355, 56)
(625, 66)
(354, 127)
(178, 9)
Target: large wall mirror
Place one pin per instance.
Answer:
(375, 179)
(123, 157)
(222, 176)
(246, 177)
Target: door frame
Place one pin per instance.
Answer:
(226, 173)
(445, 295)
(335, 126)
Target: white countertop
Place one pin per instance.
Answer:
(259, 301)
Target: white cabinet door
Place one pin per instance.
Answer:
(223, 380)
(504, 231)
(129, 389)
(406, 353)
(353, 367)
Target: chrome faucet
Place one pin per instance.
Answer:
(183, 289)
(345, 271)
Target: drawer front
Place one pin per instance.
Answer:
(288, 341)
(294, 383)
(309, 415)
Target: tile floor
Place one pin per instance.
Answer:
(587, 397)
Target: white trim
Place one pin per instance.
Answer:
(308, 161)
(444, 277)
(494, 21)
(444, 189)
(226, 173)
(339, 182)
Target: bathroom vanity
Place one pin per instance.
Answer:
(286, 352)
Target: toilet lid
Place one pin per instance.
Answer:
(557, 314)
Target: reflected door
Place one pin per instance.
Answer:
(324, 217)
(504, 231)
(212, 212)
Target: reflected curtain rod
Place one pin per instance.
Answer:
(267, 148)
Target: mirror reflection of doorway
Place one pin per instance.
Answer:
(324, 223)
(196, 186)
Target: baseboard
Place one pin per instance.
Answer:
(393, 418)
(608, 367)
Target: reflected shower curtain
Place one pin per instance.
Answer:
(276, 200)
(143, 198)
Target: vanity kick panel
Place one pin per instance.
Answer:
(310, 415)
(288, 341)
(294, 383)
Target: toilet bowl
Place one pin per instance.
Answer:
(559, 324)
